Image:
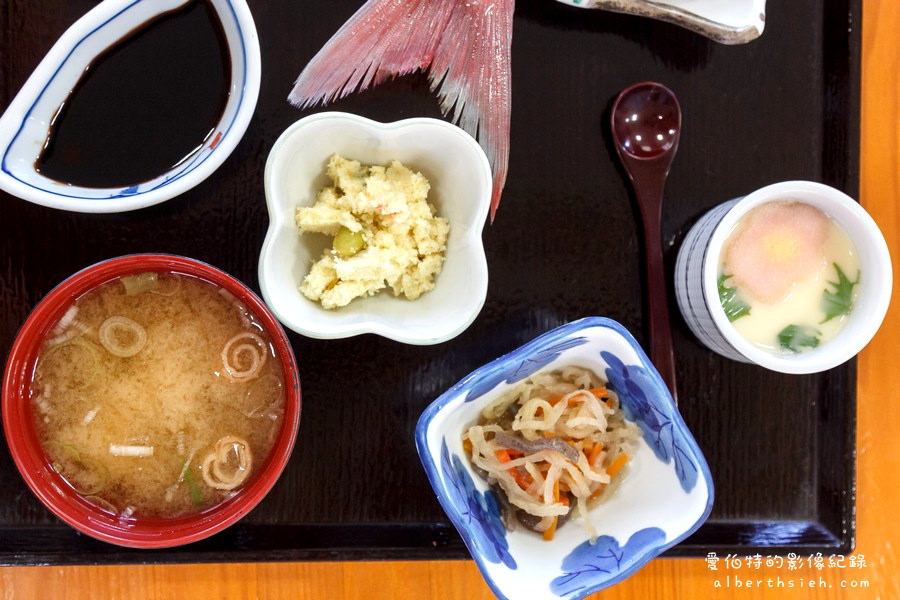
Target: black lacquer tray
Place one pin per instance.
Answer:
(565, 245)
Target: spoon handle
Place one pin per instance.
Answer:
(661, 352)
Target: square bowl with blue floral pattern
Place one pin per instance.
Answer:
(665, 494)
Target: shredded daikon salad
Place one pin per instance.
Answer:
(551, 445)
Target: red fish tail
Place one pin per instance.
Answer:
(465, 43)
(384, 39)
(472, 73)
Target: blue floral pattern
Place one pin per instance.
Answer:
(588, 566)
(480, 511)
(527, 367)
(643, 401)
(129, 191)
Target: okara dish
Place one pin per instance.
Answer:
(460, 180)
(788, 277)
(550, 447)
(385, 234)
(150, 401)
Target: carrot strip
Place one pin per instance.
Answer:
(598, 491)
(599, 392)
(467, 446)
(617, 465)
(503, 456)
(550, 531)
(522, 480)
(612, 471)
(609, 402)
(595, 452)
(556, 401)
(507, 454)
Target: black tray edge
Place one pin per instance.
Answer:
(275, 543)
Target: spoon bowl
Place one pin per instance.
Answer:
(646, 121)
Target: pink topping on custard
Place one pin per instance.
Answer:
(780, 244)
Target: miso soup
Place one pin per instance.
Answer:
(157, 395)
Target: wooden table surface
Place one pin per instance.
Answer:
(878, 461)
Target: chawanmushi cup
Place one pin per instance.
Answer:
(696, 275)
(49, 486)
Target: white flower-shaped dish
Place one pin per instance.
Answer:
(665, 495)
(460, 178)
(24, 125)
(725, 21)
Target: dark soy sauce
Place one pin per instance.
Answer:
(143, 106)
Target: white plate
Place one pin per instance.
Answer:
(24, 125)
(726, 21)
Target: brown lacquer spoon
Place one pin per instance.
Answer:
(646, 125)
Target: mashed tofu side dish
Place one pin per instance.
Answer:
(385, 234)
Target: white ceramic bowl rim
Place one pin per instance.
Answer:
(180, 179)
(514, 357)
(370, 325)
(828, 355)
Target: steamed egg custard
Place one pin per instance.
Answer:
(788, 277)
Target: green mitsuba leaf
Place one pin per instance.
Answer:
(795, 338)
(732, 303)
(840, 301)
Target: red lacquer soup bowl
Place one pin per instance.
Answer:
(56, 493)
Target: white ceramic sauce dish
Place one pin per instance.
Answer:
(460, 178)
(25, 124)
(696, 279)
(725, 21)
(665, 494)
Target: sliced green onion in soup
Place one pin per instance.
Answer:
(196, 495)
(103, 504)
(140, 283)
(90, 351)
(168, 285)
(262, 397)
(52, 447)
(121, 336)
(57, 448)
(91, 465)
(99, 470)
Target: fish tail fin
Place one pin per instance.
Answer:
(465, 44)
(384, 39)
(471, 72)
